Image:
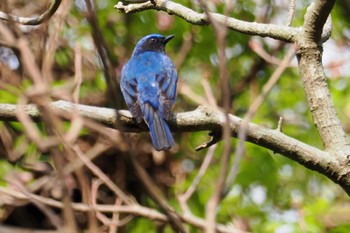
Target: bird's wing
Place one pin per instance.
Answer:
(167, 86)
(129, 90)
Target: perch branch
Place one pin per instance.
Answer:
(201, 119)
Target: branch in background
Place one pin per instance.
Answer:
(12, 197)
(33, 20)
(53, 40)
(253, 108)
(268, 57)
(224, 84)
(12, 229)
(291, 12)
(278, 32)
(113, 89)
(157, 196)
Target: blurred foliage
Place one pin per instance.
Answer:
(271, 193)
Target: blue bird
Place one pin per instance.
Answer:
(148, 83)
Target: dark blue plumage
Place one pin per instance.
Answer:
(148, 84)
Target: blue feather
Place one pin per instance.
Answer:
(148, 84)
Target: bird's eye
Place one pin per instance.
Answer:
(153, 40)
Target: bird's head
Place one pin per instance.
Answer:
(152, 42)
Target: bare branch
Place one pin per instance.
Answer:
(250, 115)
(220, 35)
(96, 171)
(203, 119)
(11, 229)
(33, 20)
(291, 12)
(135, 209)
(317, 92)
(157, 196)
(278, 32)
(205, 164)
(113, 89)
(315, 19)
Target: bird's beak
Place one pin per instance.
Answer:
(166, 40)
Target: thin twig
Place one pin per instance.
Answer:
(259, 50)
(157, 196)
(12, 229)
(220, 35)
(97, 172)
(186, 47)
(53, 40)
(113, 89)
(250, 115)
(133, 209)
(78, 78)
(54, 219)
(115, 218)
(183, 198)
(291, 12)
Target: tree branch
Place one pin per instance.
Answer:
(278, 32)
(309, 54)
(204, 119)
(33, 20)
(20, 199)
(314, 80)
(315, 19)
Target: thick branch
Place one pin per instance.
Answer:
(315, 18)
(309, 53)
(201, 119)
(314, 80)
(278, 32)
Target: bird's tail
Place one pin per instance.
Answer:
(160, 132)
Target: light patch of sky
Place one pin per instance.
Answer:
(341, 84)
(285, 229)
(258, 194)
(291, 117)
(86, 43)
(286, 171)
(72, 37)
(9, 58)
(187, 165)
(296, 196)
(102, 4)
(301, 107)
(336, 54)
(313, 186)
(235, 191)
(214, 59)
(233, 51)
(80, 4)
(191, 76)
(289, 216)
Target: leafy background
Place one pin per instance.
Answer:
(271, 193)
